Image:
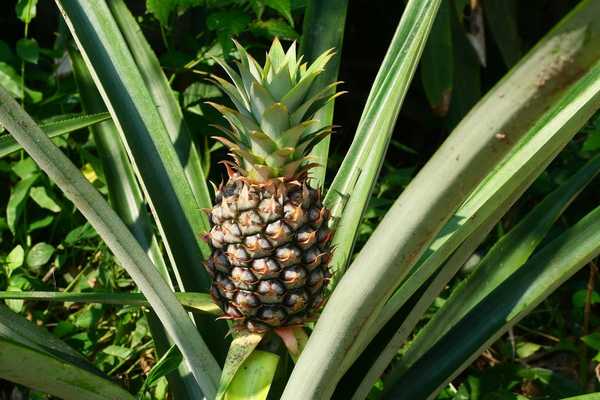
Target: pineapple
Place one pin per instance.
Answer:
(270, 236)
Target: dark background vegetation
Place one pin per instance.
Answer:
(46, 245)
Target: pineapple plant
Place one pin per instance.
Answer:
(270, 232)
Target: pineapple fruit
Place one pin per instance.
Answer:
(270, 232)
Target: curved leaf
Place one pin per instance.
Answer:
(501, 309)
(117, 237)
(195, 301)
(47, 364)
(55, 128)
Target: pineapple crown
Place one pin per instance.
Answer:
(273, 128)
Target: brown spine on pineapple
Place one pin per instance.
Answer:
(271, 247)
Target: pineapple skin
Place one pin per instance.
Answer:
(271, 249)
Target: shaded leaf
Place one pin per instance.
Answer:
(16, 202)
(437, 75)
(253, 379)
(28, 50)
(40, 195)
(272, 28)
(168, 363)
(14, 260)
(26, 10)
(241, 348)
(39, 255)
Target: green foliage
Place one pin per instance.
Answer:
(63, 277)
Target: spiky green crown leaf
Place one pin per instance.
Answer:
(273, 127)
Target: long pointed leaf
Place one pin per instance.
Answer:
(53, 129)
(383, 110)
(323, 29)
(35, 358)
(241, 348)
(539, 146)
(507, 255)
(500, 310)
(117, 237)
(177, 212)
(375, 128)
(195, 301)
(128, 201)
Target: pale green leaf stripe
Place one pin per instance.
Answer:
(8, 145)
(59, 370)
(241, 348)
(503, 308)
(323, 29)
(457, 260)
(590, 396)
(189, 274)
(375, 129)
(127, 200)
(117, 237)
(521, 100)
(53, 375)
(165, 101)
(124, 193)
(381, 113)
(142, 130)
(507, 255)
(196, 301)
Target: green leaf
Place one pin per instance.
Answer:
(437, 76)
(241, 348)
(26, 10)
(39, 255)
(592, 142)
(117, 351)
(254, 377)
(231, 22)
(323, 29)
(127, 199)
(6, 54)
(49, 365)
(14, 260)
(283, 7)
(116, 236)
(40, 195)
(40, 223)
(273, 28)
(501, 17)
(168, 363)
(17, 284)
(161, 9)
(200, 302)
(579, 298)
(367, 152)
(503, 308)
(590, 396)
(592, 340)
(58, 126)
(337, 330)
(506, 256)
(25, 168)
(28, 50)
(83, 232)
(177, 215)
(526, 349)
(570, 108)
(16, 202)
(10, 80)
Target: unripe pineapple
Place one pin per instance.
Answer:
(270, 234)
